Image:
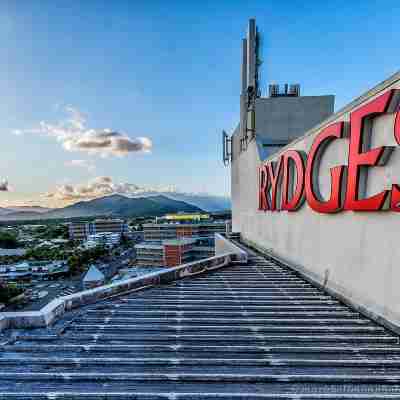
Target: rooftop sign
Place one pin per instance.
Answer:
(286, 183)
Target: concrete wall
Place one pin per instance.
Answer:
(282, 119)
(226, 253)
(355, 254)
(285, 118)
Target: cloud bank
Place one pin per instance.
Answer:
(102, 186)
(74, 135)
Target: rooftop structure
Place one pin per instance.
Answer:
(93, 278)
(275, 120)
(329, 200)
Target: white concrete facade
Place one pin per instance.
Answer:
(356, 254)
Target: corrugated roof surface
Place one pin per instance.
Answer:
(254, 331)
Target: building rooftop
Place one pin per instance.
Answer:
(93, 275)
(149, 245)
(246, 332)
(12, 252)
(180, 224)
(179, 242)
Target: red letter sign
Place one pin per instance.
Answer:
(313, 195)
(274, 188)
(263, 185)
(274, 172)
(292, 192)
(397, 127)
(395, 198)
(360, 157)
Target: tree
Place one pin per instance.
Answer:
(8, 240)
(74, 263)
(80, 260)
(8, 291)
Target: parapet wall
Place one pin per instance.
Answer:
(57, 308)
(354, 253)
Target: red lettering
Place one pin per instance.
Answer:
(292, 192)
(313, 195)
(361, 157)
(298, 179)
(397, 127)
(274, 172)
(263, 185)
(395, 198)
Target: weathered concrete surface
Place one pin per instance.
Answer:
(284, 118)
(58, 307)
(355, 254)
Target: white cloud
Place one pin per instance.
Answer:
(102, 186)
(74, 135)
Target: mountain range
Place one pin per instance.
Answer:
(119, 205)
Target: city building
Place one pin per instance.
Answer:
(28, 270)
(183, 217)
(175, 230)
(178, 238)
(12, 252)
(106, 239)
(172, 252)
(81, 230)
(150, 254)
(51, 243)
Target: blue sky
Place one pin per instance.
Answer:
(168, 71)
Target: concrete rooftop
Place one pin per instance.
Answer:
(255, 331)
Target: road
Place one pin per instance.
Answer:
(66, 286)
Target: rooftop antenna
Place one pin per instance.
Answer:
(250, 88)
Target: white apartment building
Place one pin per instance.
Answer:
(108, 239)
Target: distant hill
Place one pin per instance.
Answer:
(21, 212)
(5, 211)
(29, 208)
(204, 201)
(114, 205)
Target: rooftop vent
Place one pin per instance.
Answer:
(286, 90)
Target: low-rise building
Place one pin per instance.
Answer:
(107, 239)
(26, 271)
(150, 254)
(93, 278)
(12, 252)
